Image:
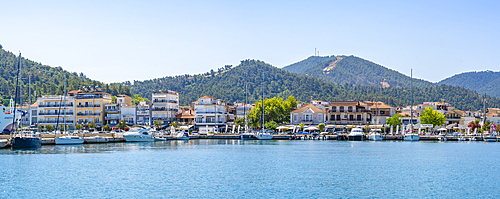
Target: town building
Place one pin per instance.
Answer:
(165, 106)
(185, 117)
(380, 111)
(210, 114)
(55, 110)
(90, 105)
(348, 112)
(242, 109)
(123, 109)
(307, 114)
(143, 113)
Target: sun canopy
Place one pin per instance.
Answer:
(311, 128)
(442, 129)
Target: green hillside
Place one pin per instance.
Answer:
(45, 80)
(352, 70)
(229, 86)
(483, 82)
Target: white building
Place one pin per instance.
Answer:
(143, 113)
(53, 110)
(210, 112)
(165, 106)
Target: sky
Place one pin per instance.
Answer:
(117, 41)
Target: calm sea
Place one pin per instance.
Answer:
(254, 169)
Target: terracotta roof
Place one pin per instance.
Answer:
(210, 97)
(75, 91)
(492, 114)
(308, 106)
(381, 105)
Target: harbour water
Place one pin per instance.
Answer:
(253, 169)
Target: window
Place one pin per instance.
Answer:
(334, 109)
(295, 117)
(350, 108)
(341, 109)
(320, 117)
(359, 118)
(382, 112)
(338, 117)
(351, 117)
(332, 117)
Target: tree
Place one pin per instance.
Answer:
(272, 125)
(158, 124)
(321, 127)
(394, 120)
(49, 127)
(78, 126)
(40, 128)
(474, 125)
(240, 122)
(301, 125)
(107, 127)
(92, 125)
(276, 110)
(430, 116)
(174, 124)
(486, 126)
(121, 124)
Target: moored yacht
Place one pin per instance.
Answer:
(264, 136)
(138, 135)
(356, 134)
(182, 136)
(68, 140)
(96, 139)
(374, 135)
(411, 137)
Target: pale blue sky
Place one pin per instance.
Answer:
(115, 41)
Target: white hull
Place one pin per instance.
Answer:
(490, 139)
(160, 139)
(412, 137)
(3, 143)
(138, 138)
(68, 140)
(375, 137)
(96, 139)
(182, 138)
(264, 136)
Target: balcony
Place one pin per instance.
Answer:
(165, 101)
(112, 109)
(142, 112)
(208, 112)
(112, 118)
(88, 114)
(54, 105)
(165, 109)
(55, 122)
(55, 114)
(87, 106)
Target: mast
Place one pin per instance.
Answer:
(29, 98)
(18, 81)
(65, 105)
(411, 100)
(263, 110)
(244, 106)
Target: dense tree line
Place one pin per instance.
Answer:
(487, 82)
(45, 80)
(230, 86)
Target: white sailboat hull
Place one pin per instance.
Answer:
(375, 137)
(138, 138)
(412, 137)
(264, 136)
(3, 143)
(96, 140)
(68, 140)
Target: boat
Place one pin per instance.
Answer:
(264, 136)
(490, 138)
(374, 135)
(6, 115)
(472, 138)
(160, 139)
(4, 143)
(22, 139)
(96, 139)
(442, 139)
(182, 136)
(461, 139)
(411, 136)
(356, 134)
(247, 136)
(69, 140)
(138, 135)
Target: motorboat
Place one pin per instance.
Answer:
(96, 139)
(138, 135)
(442, 139)
(160, 139)
(182, 136)
(264, 136)
(247, 136)
(26, 140)
(472, 138)
(356, 134)
(411, 137)
(490, 138)
(374, 135)
(69, 139)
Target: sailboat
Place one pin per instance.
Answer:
(67, 139)
(411, 136)
(246, 135)
(263, 135)
(22, 139)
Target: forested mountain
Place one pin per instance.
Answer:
(483, 81)
(352, 70)
(45, 80)
(229, 85)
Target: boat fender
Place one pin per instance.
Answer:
(106, 139)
